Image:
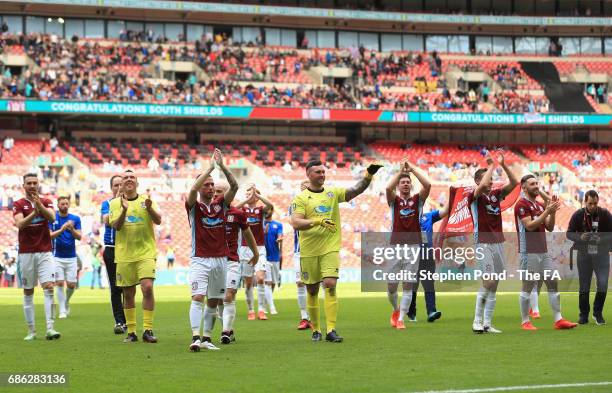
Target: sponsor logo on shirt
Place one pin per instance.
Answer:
(406, 212)
(321, 209)
(211, 222)
(134, 219)
(37, 220)
(492, 210)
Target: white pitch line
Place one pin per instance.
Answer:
(525, 387)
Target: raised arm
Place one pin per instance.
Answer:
(233, 184)
(393, 181)
(424, 180)
(362, 184)
(512, 180)
(268, 206)
(486, 178)
(192, 197)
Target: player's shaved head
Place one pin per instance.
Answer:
(221, 188)
(129, 183)
(207, 192)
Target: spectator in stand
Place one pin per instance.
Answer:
(53, 143)
(153, 164)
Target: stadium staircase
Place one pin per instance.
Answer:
(564, 97)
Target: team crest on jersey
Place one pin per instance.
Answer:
(410, 203)
(521, 211)
(217, 208)
(330, 194)
(493, 198)
(230, 218)
(142, 204)
(256, 211)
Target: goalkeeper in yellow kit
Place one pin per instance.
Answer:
(316, 215)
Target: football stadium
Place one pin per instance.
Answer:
(332, 195)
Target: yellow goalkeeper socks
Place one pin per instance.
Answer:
(312, 305)
(130, 319)
(147, 319)
(331, 308)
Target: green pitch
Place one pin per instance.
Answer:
(272, 356)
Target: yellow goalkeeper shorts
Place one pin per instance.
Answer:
(130, 273)
(315, 269)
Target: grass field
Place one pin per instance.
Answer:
(272, 356)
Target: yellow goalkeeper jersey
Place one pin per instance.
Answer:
(319, 241)
(135, 241)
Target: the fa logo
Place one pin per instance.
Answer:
(217, 208)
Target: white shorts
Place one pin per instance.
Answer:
(245, 255)
(33, 268)
(207, 277)
(273, 272)
(232, 274)
(408, 268)
(66, 269)
(296, 266)
(537, 263)
(493, 260)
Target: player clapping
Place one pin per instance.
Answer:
(255, 217)
(207, 219)
(532, 220)
(406, 212)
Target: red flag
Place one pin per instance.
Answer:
(459, 219)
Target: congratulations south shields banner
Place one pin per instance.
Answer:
(299, 114)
